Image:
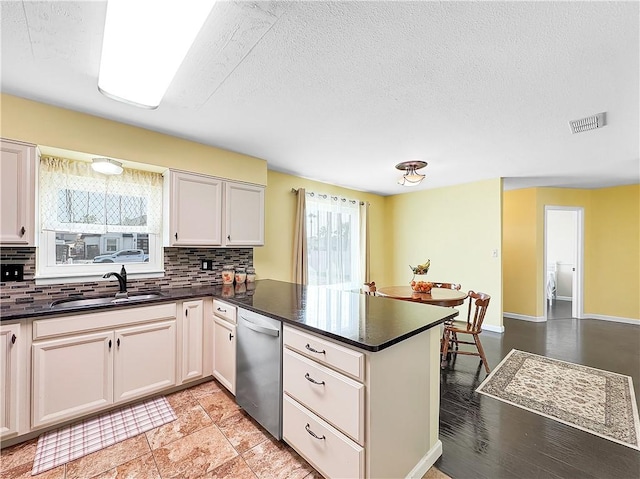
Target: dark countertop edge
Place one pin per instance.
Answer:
(175, 295)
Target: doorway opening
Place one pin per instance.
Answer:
(563, 262)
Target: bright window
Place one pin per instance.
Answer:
(333, 241)
(88, 219)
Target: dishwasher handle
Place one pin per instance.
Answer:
(261, 329)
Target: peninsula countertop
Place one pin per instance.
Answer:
(368, 322)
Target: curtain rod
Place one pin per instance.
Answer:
(325, 196)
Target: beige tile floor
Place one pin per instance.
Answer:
(212, 438)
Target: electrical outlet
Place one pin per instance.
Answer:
(12, 272)
(207, 264)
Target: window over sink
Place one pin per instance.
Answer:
(88, 220)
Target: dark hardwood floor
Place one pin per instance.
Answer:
(486, 438)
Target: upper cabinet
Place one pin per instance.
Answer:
(17, 193)
(204, 211)
(194, 209)
(244, 214)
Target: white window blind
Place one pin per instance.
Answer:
(75, 198)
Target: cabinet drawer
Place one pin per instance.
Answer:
(338, 357)
(62, 326)
(225, 311)
(331, 395)
(331, 453)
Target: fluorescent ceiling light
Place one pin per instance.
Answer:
(106, 166)
(144, 43)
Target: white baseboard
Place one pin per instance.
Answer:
(495, 329)
(426, 462)
(611, 318)
(535, 319)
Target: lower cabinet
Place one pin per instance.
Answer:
(224, 353)
(192, 340)
(83, 373)
(10, 342)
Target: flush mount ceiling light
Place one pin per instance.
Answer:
(106, 166)
(411, 177)
(144, 43)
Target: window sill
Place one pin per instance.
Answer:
(92, 277)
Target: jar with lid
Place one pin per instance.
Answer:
(227, 274)
(251, 275)
(241, 275)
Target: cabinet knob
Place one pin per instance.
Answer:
(308, 428)
(118, 342)
(311, 380)
(229, 237)
(186, 312)
(230, 336)
(109, 344)
(13, 339)
(308, 347)
(22, 231)
(176, 235)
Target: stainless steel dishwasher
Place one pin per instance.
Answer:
(259, 369)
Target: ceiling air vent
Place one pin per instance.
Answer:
(589, 123)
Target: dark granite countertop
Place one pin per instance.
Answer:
(372, 323)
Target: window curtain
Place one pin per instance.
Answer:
(333, 236)
(300, 274)
(77, 199)
(365, 255)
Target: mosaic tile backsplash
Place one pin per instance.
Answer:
(182, 269)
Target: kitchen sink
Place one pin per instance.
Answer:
(80, 302)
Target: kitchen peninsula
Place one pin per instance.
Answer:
(381, 353)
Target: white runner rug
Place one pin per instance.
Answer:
(77, 440)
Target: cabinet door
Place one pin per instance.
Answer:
(195, 215)
(9, 335)
(145, 360)
(71, 377)
(244, 215)
(224, 353)
(17, 193)
(192, 339)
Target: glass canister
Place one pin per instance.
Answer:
(251, 275)
(227, 274)
(241, 275)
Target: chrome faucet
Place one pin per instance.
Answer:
(122, 282)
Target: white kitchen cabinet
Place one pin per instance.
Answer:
(224, 345)
(244, 214)
(193, 203)
(9, 384)
(86, 363)
(17, 193)
(144, 361)
(72, 376)
(362, 414)
(192, 340)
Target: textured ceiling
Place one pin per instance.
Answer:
(342, 91)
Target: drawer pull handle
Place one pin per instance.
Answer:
(315, 350)
(222, 310)
(308, 428)
(311, 380)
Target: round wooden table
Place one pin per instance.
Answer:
(437, 296)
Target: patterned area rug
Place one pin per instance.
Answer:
(599, 402)
(77, 440)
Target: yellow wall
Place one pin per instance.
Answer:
(457, 228)
(613, 262)
(611, 248)
(519, 247)
(275, 259)
(48, 125)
